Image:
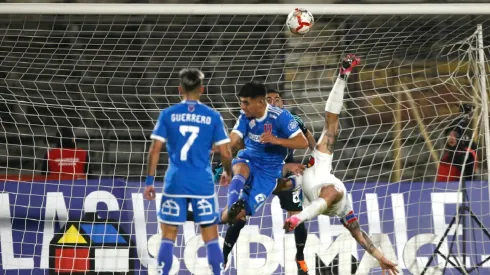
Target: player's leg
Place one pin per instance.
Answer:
(324, 149)
(241, 174)
(165, 255)
(328, 196)
(206, 214)
(291, 202)
(252, 198)
(333, 106)
(215, 256)
(172, 213)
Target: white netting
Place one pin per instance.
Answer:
(108, 76)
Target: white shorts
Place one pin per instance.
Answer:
(318, 175)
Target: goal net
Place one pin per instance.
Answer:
(106, 77)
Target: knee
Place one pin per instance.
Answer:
(331, 194)
(169, 231)
(241, 169)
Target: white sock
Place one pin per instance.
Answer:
(315, 209)
(336, 97)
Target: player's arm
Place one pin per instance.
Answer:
(222, 142)
(238, 133)
(158, 136)
(309, 136)
(365, 241)
(288, 127)
(297, 142)
(236, 142)
(154, 157)
(311, 139)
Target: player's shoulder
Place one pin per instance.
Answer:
(242, 116)
(274, 112)
(281, 113)
(205, 107)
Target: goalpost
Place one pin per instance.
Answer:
(106, 70)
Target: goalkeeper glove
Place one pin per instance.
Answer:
(218, 170)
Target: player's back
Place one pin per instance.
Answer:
(191, 129)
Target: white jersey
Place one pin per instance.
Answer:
(319, 174)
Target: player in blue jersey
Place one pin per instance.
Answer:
(190, 130)
(267, 133)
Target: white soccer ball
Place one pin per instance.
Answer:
(300, 21)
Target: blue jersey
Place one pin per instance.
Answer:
(268, 158)
(190, 129)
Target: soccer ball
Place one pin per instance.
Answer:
(300, 21)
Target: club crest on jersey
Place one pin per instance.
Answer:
(311, 162)
(191, 107)
(293, 125)
(267, 127)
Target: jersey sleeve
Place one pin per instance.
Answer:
(220, 135)
(240, 127)
(301, 124)
(288, 126)
(160, 130)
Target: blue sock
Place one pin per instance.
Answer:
(236, 185)
(215, 256)
(165, 255)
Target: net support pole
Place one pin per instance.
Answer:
(421, 125)
(396, 176)
(484, 95)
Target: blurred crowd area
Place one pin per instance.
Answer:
(107, 77)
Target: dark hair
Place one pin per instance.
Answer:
(190, 79)
(253, 89)
(65, 137)
(273, 91)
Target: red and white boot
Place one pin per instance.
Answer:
(348, 63)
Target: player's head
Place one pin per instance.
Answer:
(274, 98)
(191, 81)
(252, 99)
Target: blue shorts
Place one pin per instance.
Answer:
(257, 188)
(173, 210)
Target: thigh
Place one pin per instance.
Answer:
(173, 210)
(205, 210)
(256, 193)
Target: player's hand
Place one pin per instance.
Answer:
(225, 179)
(388, 267)
(150, 193)
(268, 137)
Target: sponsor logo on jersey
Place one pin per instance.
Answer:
(311, 162)
(267, 128)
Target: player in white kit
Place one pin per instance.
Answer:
(325, 192)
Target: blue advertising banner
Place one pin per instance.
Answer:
(107, 226)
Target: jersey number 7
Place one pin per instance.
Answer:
(184, 129)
